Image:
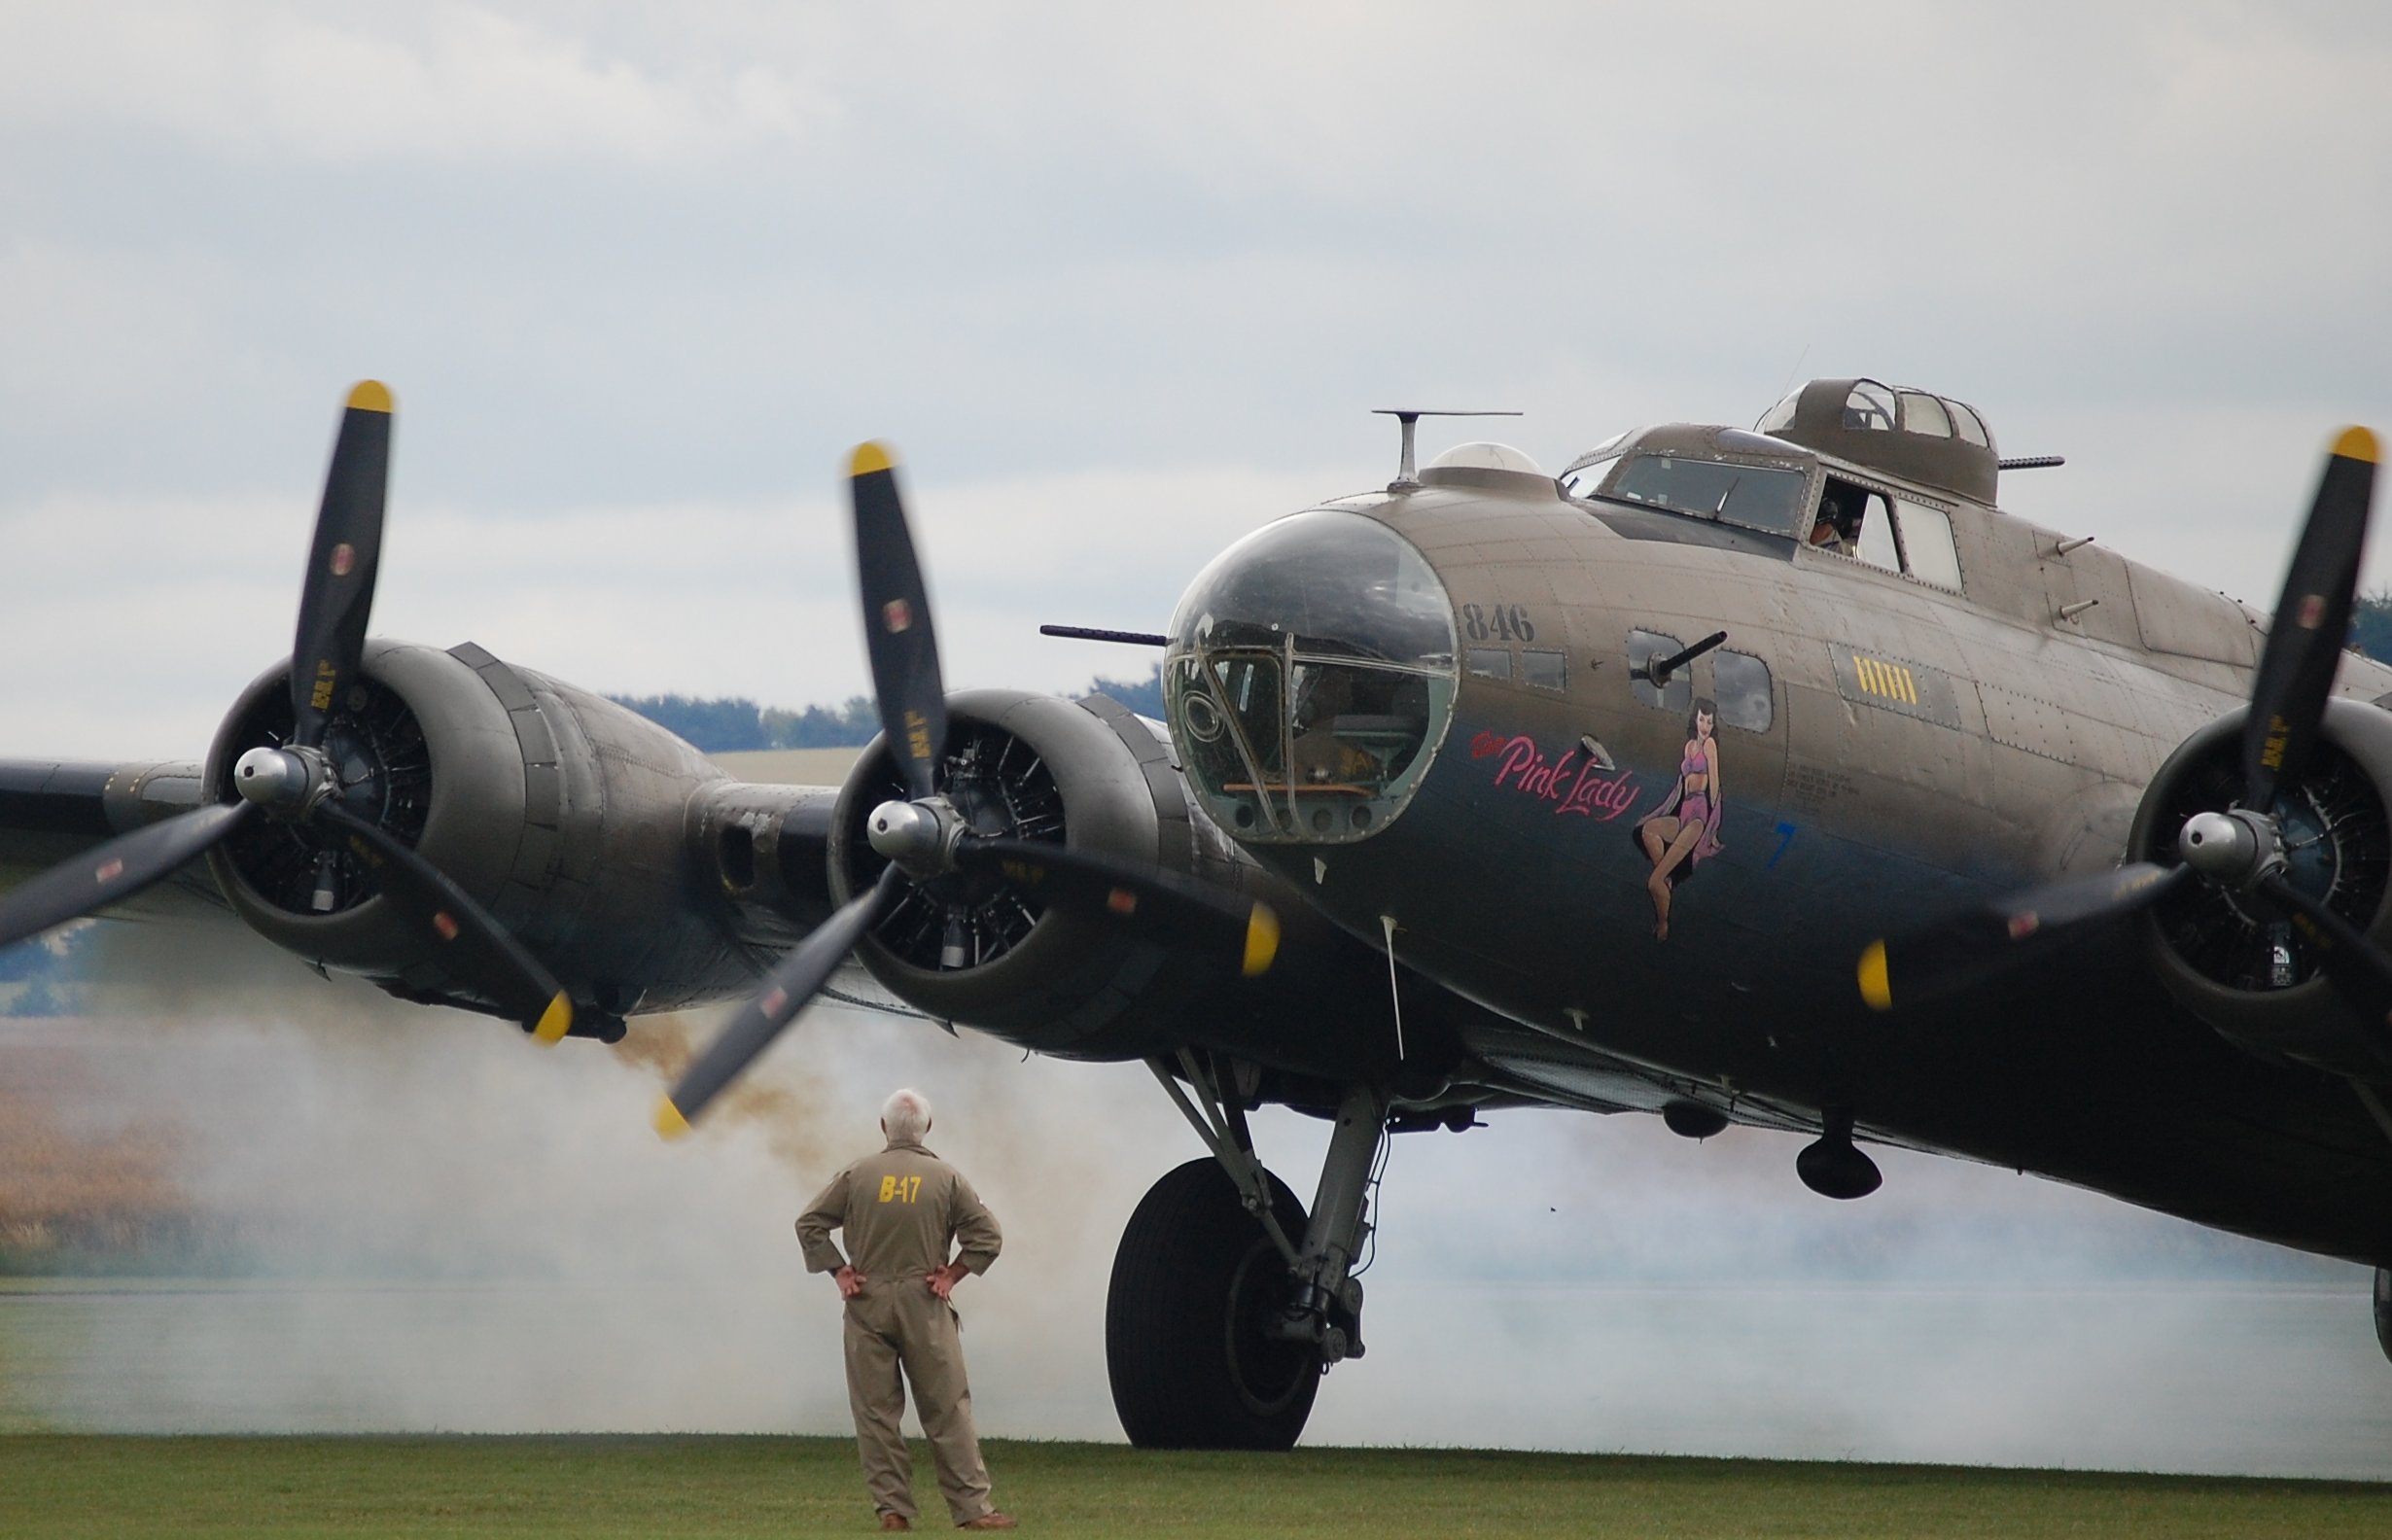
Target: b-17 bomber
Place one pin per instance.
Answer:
(1768, 776)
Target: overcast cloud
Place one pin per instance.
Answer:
(1119, 285)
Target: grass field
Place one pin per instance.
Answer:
(80, 1486)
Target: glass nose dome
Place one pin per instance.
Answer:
(1308, 678)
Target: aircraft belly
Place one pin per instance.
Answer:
(2088, 1076)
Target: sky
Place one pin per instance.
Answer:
(1119, 285)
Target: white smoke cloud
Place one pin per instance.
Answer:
(434, 1224)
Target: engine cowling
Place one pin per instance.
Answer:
(977, 951)
(562, 812)
(2231, 962)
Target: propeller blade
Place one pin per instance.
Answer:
(897, 622)
(787, 990)
(115, 871)
(2312, 621)
(1988, 941)
(338, 593)
(475, 947)
(2352, 964)
(1154, 903)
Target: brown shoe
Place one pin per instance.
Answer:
(989, 1521)
(896, 1520)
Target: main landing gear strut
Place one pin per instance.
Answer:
(1227, 1304)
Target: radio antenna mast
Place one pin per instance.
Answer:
(1405, 480)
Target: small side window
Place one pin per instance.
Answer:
(1970, 424)
(1544, 670)
(1494, 663)
(1740, 684)
(1870, 406)
(1927, 544)
(1923, 413)
(1646, 649)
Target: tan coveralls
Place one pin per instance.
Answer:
(901, 1210)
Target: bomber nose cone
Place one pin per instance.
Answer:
(1308, 678)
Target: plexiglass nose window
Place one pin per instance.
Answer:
(1309, 678)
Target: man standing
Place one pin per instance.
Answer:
(902, 1211)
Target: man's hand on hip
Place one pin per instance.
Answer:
(944, 1278)
(851, 1282)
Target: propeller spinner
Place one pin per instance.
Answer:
(925, 837)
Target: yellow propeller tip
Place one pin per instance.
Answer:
(868, 458)
(670, 1124)
(370, 395)
(555, 1021)
(1261, 940)
(2358, 444)
(1873, 987)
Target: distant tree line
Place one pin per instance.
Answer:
(731, 724)
(2371, 626)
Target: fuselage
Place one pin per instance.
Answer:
(1866, 748)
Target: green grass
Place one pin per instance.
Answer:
(77, 1485)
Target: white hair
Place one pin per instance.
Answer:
(905, 1117)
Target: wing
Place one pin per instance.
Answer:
(51, 810)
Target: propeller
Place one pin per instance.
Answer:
(925, 838)
(2241, 848)
(298, 781)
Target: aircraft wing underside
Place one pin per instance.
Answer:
(52, 811)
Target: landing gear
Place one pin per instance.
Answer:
(2383, 1309)
(1220, 1320)
(1198, 1287)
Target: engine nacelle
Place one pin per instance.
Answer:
(561, 812)
(2233, 962)
(975, 950)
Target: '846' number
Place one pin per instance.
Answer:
(1498, 622)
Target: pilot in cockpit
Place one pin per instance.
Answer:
(1835, 527)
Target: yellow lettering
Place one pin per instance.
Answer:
(888, 1188)
(913, 1186)
(2280, 737)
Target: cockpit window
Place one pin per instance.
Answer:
(1869, 405)
(1854, 522)
(1757, 497)
(1583, 481)
(1969, 424)
(1927, 549)
(1310, 673)
(1782, 414)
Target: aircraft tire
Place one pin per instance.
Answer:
(1193, 1283)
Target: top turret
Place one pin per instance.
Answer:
(1906, 433)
